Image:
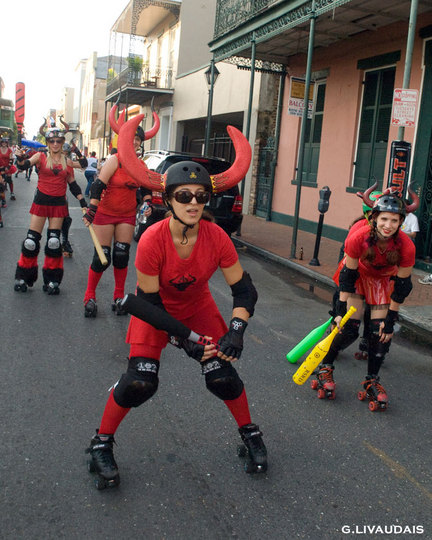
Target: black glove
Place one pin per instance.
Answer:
(389, 321)
(91, 212)
(83, 203)
(194, 350)
(231, 344)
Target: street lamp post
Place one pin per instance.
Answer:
(211, 75)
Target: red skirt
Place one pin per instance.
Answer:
(49, 211)
(105, 219)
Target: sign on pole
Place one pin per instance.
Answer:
(400, 158)
(404, 109)
(296, 97)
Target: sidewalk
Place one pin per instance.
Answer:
(273, 241)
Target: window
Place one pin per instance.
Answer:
(313, 137)
(375, 120)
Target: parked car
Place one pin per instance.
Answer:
(226, 206)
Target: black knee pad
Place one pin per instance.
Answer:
(347, 336)
(139, 383)
(120, 258)
(53, 245)
(222, 379)
(31, 244)
(96, 264)
(375, 346)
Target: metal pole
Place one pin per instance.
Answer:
(276, 146)
(408, 55)
(303, 131)
(104, 131)
(251, 91)
(209, 108)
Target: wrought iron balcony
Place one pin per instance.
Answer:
(232, 13)
(153, 77)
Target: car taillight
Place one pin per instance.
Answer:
(237, 206)
(157, 198)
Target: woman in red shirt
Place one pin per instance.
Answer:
(377, 270)
(49, 203)
(175, 259)
(112, 211)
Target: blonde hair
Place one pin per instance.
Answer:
(50, 161)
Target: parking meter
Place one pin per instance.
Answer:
(323, 203)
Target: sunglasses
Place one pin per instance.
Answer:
(55, 141)
(185, 196)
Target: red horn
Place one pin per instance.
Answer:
(153, 130)
(136, 168)
(66, 126)
(239, 168)
(365, 195)
(415, 201)
(116, 124)
(41, 129)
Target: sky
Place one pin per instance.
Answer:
(42, 43)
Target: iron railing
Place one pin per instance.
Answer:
(232, 13)
(147, 77)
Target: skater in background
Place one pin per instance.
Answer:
(2, 189)
(112, 212)
(175, 259)
(377, 270)
(49, 203)
(7, 167)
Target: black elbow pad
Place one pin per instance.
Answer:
(244, 294)
(75, 189)
(402, 288)
(347, 279)
(96, 189)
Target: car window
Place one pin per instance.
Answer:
(152, 161)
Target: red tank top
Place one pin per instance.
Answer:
(119, 198)
(50, 183)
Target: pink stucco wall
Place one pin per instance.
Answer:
(341, 119)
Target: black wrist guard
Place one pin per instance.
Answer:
(231, 344)
(244, 294)
(23, 166)
(341, 308)
(91, 212)
(75, 189)
(389, 322)
(347, 279)
(96, 189)
(83, 203)
(402, 288)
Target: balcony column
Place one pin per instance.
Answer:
(300, 159)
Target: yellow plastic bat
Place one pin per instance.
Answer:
(319, 351)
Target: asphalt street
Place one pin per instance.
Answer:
(336, 470)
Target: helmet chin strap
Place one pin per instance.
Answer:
(186, 226)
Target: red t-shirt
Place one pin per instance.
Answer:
(356, 245)
(50, 183)
(119, 198)
(5, 158)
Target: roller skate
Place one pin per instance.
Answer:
(67, 249)
(117, 307)
(362, 353)
(3, 203)
(324, 382)
(102, 461)
(253, 449)
(1, 223)
(375, 393)
(90, 308)
(12, 197)
(20, 285)
(51, 288)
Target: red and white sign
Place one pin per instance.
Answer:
(404, 110)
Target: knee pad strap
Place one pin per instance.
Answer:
(222, 379)
(139, 383)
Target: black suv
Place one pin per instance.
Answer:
(226, 206)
